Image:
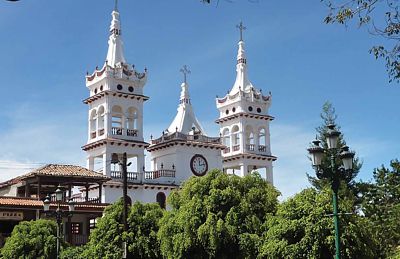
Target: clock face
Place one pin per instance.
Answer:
(199, 165)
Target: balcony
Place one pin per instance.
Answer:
(78, 199)
(185, 137)
(116, 131)
(93, 134)
(159, 173)
(250, 147)
(227, 150)
(131, 176)
(101, 132)
(132, 132)
(262, 148)
(236, 148)
(157, 176)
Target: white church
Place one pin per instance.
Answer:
(115, 125)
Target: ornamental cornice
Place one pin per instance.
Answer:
(178, 142)
(250, 156)
(115, 93)
(245, 115)
(116, 142)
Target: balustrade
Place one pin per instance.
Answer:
(250, 147)
(262, 148)
(116, 131)
(131, 176)
(236, 147)
(101, 132)
(159, 173)
(93, 134)
(131, 132)
(227, 150)
(186, 137)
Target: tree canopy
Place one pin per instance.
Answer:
(32, 240)
(381, 204)
(382, 18)
(107, 238)
(217, 216)
(303, 228)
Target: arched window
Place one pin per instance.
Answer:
(131, 118)
(100, 118)
(235, 138)
(92, 123)
(160, 198)
(262, 141)
(116, 120)
(249, 138)
(131, 122)
(226, 138)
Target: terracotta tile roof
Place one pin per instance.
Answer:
(65, 171)
(20, 202)
(57, 170)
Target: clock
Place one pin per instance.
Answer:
(198, 165)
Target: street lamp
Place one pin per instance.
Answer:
(58, 214)
(333, 171)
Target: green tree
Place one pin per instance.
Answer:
(32, 240)
(217, 216)
(382, 18)
(303, 228)
(107, 238)
(381, 204)
(143, 227)
(329, 116)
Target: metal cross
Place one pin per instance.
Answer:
(185, 72)
(241, 29)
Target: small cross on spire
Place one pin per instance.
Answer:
(185, 72)
(241, 29)
(116, 6)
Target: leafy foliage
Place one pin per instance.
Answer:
(303, 229)
(329, 116)
(75, 252)
(143, 227)
(217, 216)
(381, 204)
(31, 240)
(381, 17)
(107, 239)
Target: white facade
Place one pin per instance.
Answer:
(244, 124)
(185, 140)
(115, 125)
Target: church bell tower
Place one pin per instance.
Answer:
(244, 123)
(115, 117)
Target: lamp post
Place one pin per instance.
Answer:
(341, 160)
(58, 214)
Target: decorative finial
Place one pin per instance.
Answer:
(185, 72)
(241, 29)
(116, 6)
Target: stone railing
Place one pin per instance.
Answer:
(131, 176)
(186, 137)
(116, 131)
(159, 173)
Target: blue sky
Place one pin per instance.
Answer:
(46, 48)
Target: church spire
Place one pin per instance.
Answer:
(185, 120)
(242, 82)
(115, 52)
